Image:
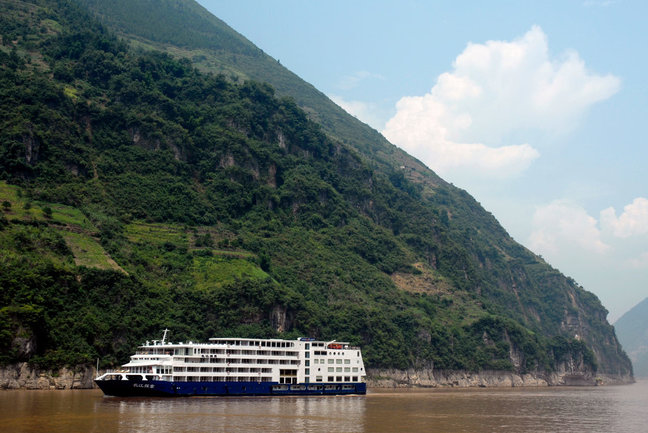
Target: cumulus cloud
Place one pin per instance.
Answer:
(633, 221)
(495, 90)
(565, 227)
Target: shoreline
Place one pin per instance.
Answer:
(430, 378)
(21, 376)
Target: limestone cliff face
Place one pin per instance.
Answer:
(430, 378)
(22, 376)
(571, 370)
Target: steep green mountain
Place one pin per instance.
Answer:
(632, 331)
(140, 192)
(185, 29)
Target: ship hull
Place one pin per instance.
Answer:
(158, 388)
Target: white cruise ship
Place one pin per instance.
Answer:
(239, 366)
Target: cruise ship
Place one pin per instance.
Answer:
(238, 366)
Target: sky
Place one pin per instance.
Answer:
(536, 108)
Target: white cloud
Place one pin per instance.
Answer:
(495, 90)
(633, 221)
(563, 228)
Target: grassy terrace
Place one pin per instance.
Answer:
(217, 271)
(152, 233)
(88, 252)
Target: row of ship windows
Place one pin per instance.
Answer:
(188, 351)
(220, 370)
(335, 379)
(282, 380)
(324, 353)
(333, 361)
(160, 370)
(337, 369)
(262, 379)
(316, 361)
(222, 379)
(242, 361)
(243, 352)
(307, 379)
(255, 343)
(211, 352)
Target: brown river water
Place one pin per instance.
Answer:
(598, 409)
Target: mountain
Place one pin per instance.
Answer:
(185, 29)
(222, 195)
(632, 331)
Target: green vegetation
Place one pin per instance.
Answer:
(146, 194)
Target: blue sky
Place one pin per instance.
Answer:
(536, 108)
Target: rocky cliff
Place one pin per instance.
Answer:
(22, 376)
(429, 378)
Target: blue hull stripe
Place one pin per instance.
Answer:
(127, 388)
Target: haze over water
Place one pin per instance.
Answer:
(602, 409)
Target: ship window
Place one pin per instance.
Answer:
(308, 363)
(307, 354)
(338, 361)
(318, 378)
(347, 361)
(355, 369)
(308, 371)
(347, 369)
(339, 369)
(331, 378)
(331, 361)
(331, 369)
(307, 346)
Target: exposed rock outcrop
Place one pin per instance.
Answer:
(432, 378)
(22, 376)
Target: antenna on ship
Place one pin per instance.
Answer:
(164, 336)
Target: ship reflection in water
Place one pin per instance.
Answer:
(598, 409)
(238, 414)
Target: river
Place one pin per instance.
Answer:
(556, 409)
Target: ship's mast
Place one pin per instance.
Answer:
(164, 336)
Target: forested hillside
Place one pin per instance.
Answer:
(139, 192)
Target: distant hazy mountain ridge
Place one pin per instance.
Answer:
(632, 331)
